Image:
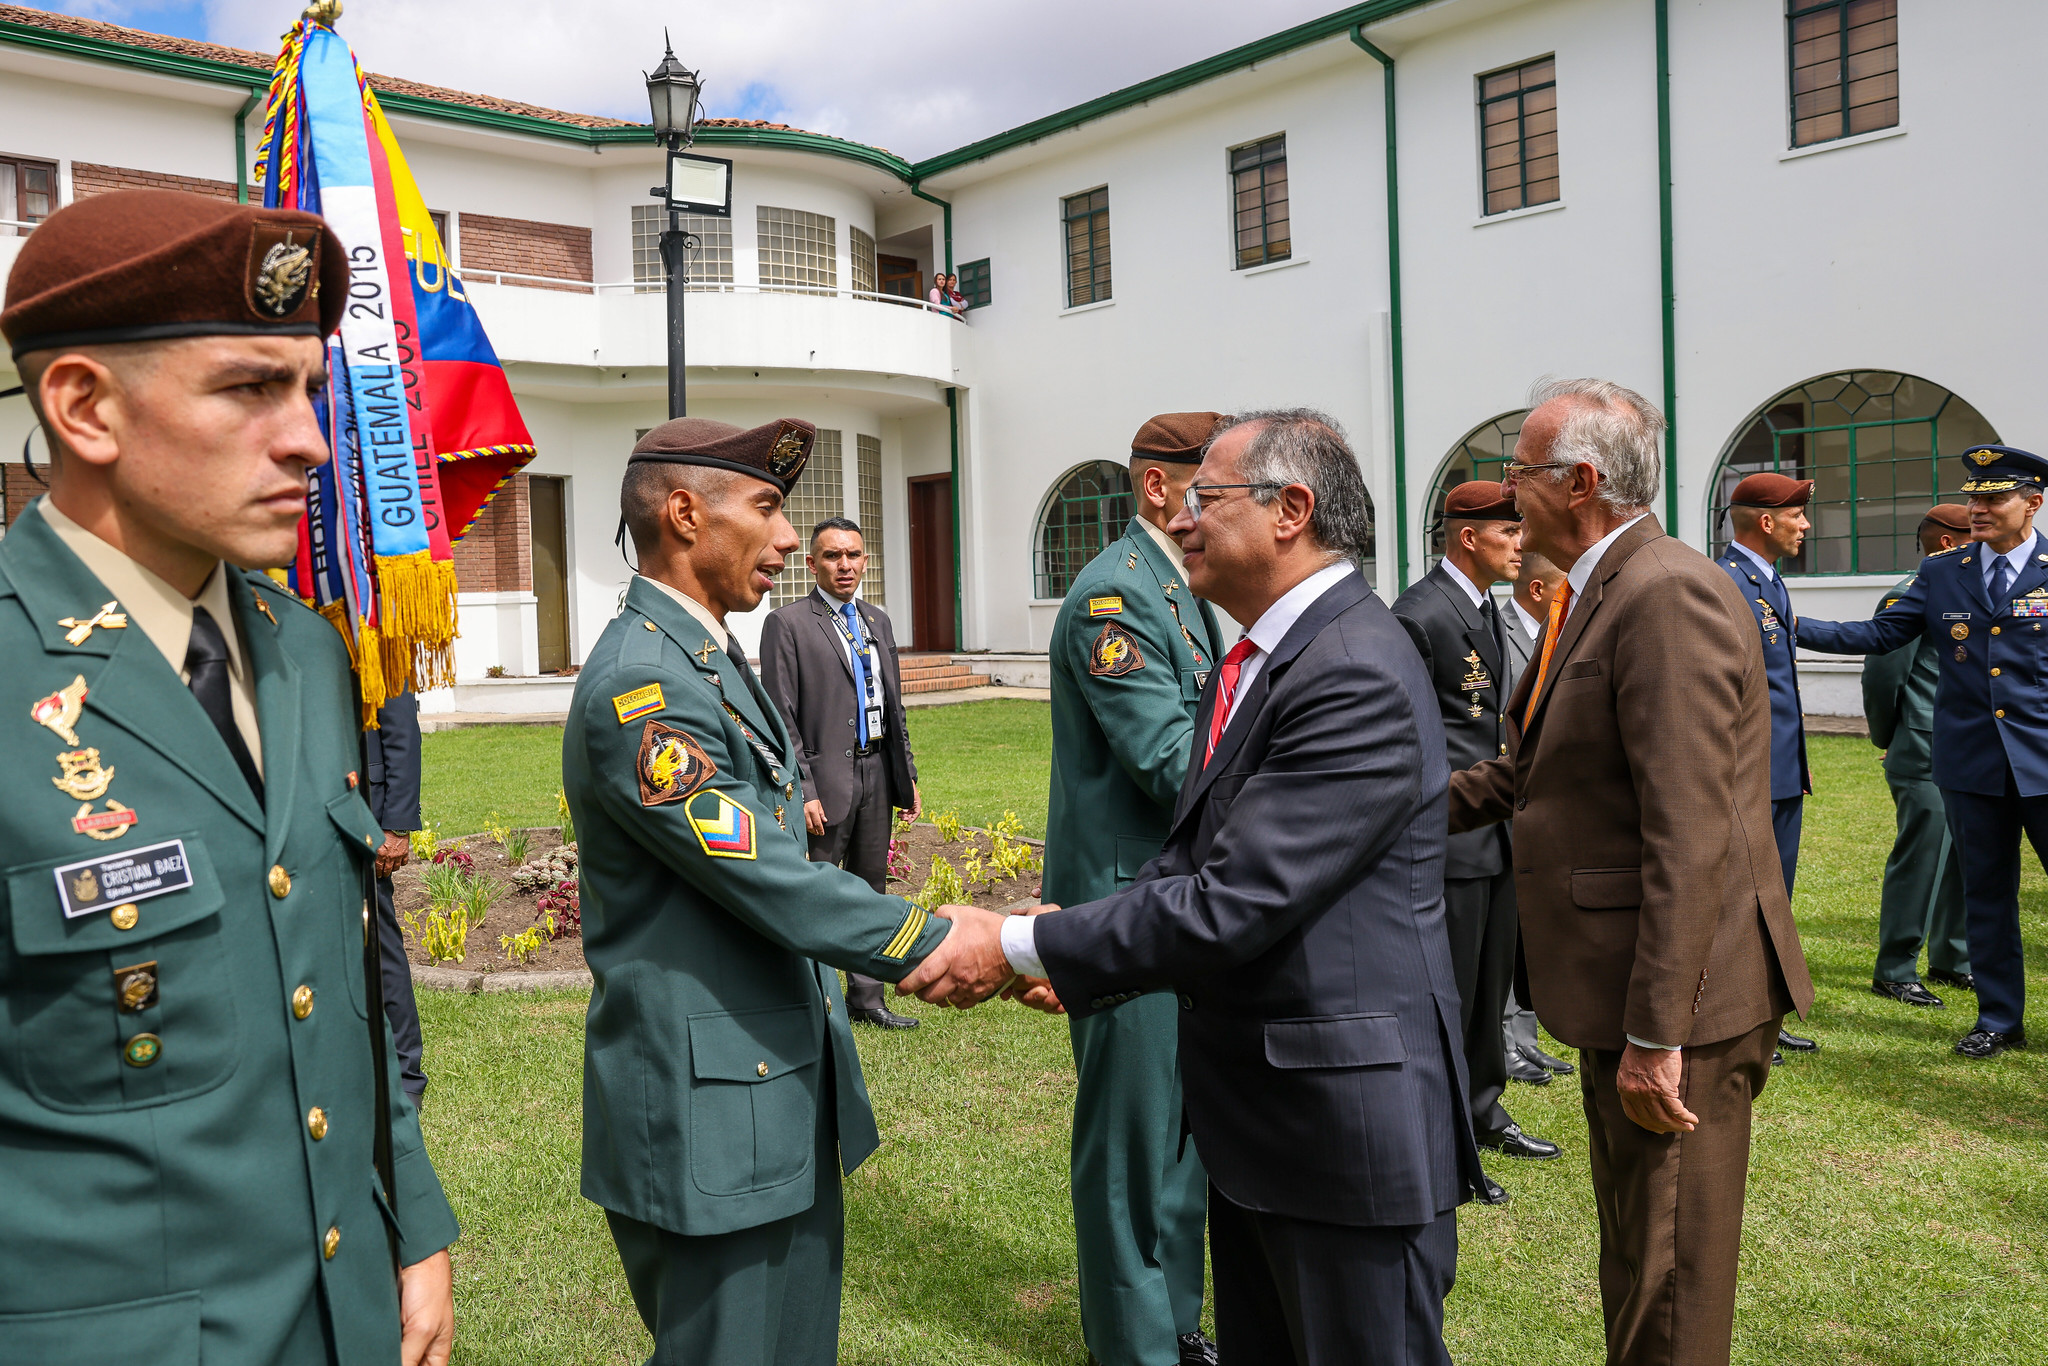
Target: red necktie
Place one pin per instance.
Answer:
(1226, 689)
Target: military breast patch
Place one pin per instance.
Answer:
(631, 706)
(280, 270)
(672, 765)
(723, 827)
(1115, 653)
(2030, 607)
(1106, 607)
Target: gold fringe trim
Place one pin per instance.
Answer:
(370, 654)
(416, 597)
(336, 613)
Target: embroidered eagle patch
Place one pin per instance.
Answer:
(1115, 653)
(672, 765)
(723, 827)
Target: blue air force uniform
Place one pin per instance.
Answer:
(1988, 614)
(1771, 604)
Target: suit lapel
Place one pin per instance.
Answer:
(2032, 575)
(128, 680)
(1587, 604)
(823, 612)
(1970, 567)
(277, 714)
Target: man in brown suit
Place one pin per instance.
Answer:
(1656, 930)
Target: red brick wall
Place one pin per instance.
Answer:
(88, 180)
(21, 489)
(497, 555)
(528, 248)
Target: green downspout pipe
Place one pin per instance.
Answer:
(959, 610)
(1397, 379)
(1670, 299)
(242, 144)
(917, 190)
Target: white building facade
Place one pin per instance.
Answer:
(1804, 227)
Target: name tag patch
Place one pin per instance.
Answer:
(631, 706)
(91, 884)
(1106, 607)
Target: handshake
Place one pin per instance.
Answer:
(969, 966)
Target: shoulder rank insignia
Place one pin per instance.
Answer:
(1115, 653)
(1132, 562)
(672, 765)
(59, 711)
(723, 827)
(1106, 607)
(631, 706)
(105, 619)
(264, 608)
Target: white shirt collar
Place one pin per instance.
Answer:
(1531, 627)
(1164, 541)
(697, 610)
(833, 600)
(1770, 570)
(1273, 625)
(1581, 573)
(1457, 576)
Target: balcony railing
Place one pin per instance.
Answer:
(509, 277)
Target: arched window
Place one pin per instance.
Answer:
(1480, 454)
(1089, 507)
(1878, 446)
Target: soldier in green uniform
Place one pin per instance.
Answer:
(1922, 900)
(190, 1055)
(722, 1095)
(1131, 652)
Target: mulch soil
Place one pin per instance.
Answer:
(516, 910)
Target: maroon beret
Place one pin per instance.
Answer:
(1177, 438)
(774, 452)
(1954, 516)
(142, 265)
(1479, 500)
(1769, 490)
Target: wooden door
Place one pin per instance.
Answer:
(549, 531)
(931, 564)
(900, 276)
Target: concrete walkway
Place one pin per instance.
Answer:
(430, 722)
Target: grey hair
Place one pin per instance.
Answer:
(1615, 430)
(1303, 446)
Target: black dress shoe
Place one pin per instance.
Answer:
(1196, 1350)
(882, 1018)
(1522, 1070)
(1545, 1061)
(1777, 1058)
(1490, 1191)
(1961, 981)
(1512, 1142)
(1989, 1043)
(1909, 993)
(1797, 1044)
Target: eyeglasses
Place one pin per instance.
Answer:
(1515, 469)
(1192, 500)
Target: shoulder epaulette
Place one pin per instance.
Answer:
(273, 592)
(1950, 551)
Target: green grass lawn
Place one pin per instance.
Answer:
(1898, 1202)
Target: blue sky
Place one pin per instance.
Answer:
(915, 76)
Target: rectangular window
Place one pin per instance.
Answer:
(710, 263)
(1518, 135)
(1087, 221)
(28, 193)
(974, 283)
(798, 250)
(1844, 67)
(868, 474)
(861, 251)
(1258, 187)
(820, 492)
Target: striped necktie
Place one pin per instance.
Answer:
(1226, 692)
(1560, 607)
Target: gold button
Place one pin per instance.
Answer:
(761, 1068)
(648, 624)
(1994, 673)
(142, 1050)
(302, 1001)
(2000, 713)
(828, 1005)
(1994, 630)
(370, 840)
(316, 1125)
(330, 1242)
(124, 916)
(280, 881)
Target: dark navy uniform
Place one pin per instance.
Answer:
(1771, 604)
(1990, 721)
(392, 757)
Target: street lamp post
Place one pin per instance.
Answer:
(672, 94)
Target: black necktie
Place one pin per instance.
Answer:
(206, 662)
(1491, 611)
(2001, 579)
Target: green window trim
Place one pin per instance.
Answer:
(1518, 162)
(1085, 218)
(1878, 444)
(1842, 68)
(1260, 224)
(1481, 453)
(1087, 509)
(974, 283)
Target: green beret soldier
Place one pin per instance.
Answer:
(722, 1095)
(1131, 652)
(191, 1057)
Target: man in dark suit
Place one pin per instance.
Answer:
(1922, 901)
(829, 661)
(392, 752)
(1297, 910)
(1451, 616)
(1656, 929)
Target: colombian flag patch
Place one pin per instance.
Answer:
(1106, 607)
(631, 706)
(723, 827)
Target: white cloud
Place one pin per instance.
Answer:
(916, 76)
